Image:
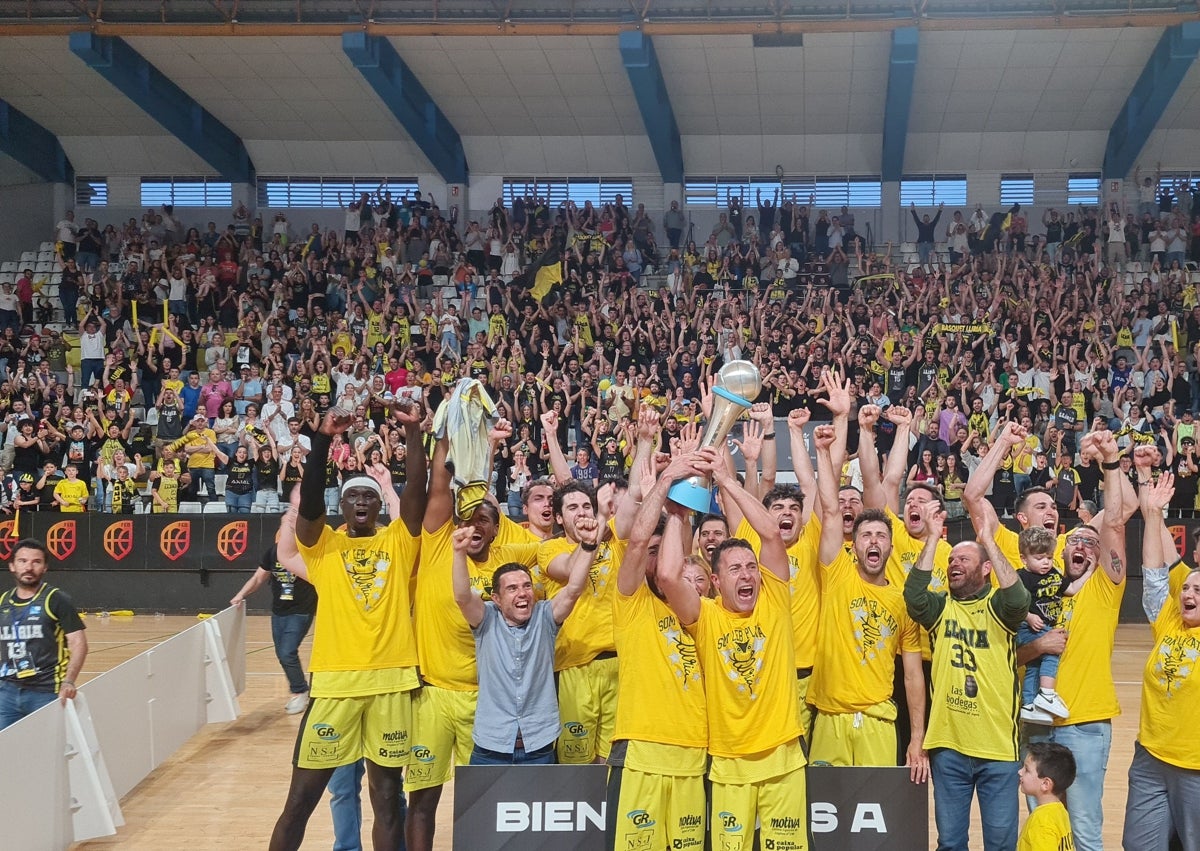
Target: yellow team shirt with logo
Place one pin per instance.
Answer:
(363, 640)
(1085, 680)
(750, 676)
(976, 695)
(198, 460)
(863, 627)
(802, 585)
(445, 643)
(72, 491)
(1171, 685)
(1048, 828)
(588, 632)
(659, 667)
(906, 551)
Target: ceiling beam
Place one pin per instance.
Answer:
(650, 91)
(518, 27)
(1165, 69)
(33, 146)
(902, 71)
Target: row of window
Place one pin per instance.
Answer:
(924, 190)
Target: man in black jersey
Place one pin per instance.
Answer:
(42, 643)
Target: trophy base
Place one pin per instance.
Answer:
(691, 495)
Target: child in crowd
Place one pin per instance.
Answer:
(1047, 773)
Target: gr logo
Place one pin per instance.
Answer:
(326, 732)
(422, 753)
(729, 822)
(640, 818)
(575, 729)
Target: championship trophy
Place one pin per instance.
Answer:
(738, 384)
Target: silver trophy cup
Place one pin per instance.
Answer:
(738, 384)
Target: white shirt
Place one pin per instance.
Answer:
(275, 417)
(91, 346)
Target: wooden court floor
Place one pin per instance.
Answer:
(223, 790)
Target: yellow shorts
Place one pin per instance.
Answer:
(341, 730)
(587, 706)
(655, 811)
(442, 722)
(854, 738)
(780, 805)
(806, 712)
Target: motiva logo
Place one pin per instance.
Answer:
(118, 539)
(232, 540)
(175, 539)
(61, 539)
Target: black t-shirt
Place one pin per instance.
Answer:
(33, 638)
(241, 476)
(290, 595)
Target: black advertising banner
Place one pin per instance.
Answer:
(529, 808)
(561, 808)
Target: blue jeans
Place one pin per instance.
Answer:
(1045, 665)
(542, 756)
(956, 778)
(345, 806)
(287, 632)
(333, 502)
(17, 702)
(1089, 743)
(266, 501)
(205, 475)
(238, 503)
(89, 370)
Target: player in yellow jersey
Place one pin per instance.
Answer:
(444, 708)
(864, 627)
(656, 776)
(743, 642)
(1164, 777)
(364, 658)
(1047, 773)
(972, 731)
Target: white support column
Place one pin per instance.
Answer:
(95, 810)
(218, 679)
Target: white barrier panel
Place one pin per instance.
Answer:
(76, 764)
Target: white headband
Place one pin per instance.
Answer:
(361, 482)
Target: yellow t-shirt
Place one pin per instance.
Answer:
(445, 644)
(320, 383)
(72, 491)
(198, 460)
(750, 684)
(173, 384)
(906, 551)
(863, 627)
(1048, 828)
(1171, 686)
(376, 328)
(364, 636)
(659, 667)
(1085, 669)
(805, 593)
(168, 489)
(588, 632)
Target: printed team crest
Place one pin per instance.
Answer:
(368, 573)
(874, 626)
(118, 539)
(175, 539)
(1177, 657)
(61, 539)
(742, 651)
(681, 653)
(233, 539)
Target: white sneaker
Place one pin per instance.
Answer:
(1032, 715)
(1048, 700)
(297, 704)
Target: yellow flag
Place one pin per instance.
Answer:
(546, 279)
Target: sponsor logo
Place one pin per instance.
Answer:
(640, 819)
(233, 539)
(548, 816)
(575, 729)
(61, 539)
(393, 737)
(868, 816)
(320, 752)
(729, 822)
(327, 732)
(118, 539)
(422, 754)
(7, 539)
(175, 539)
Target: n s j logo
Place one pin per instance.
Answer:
(232, 540)
(118, 539)
(175, 539)
(61, 539)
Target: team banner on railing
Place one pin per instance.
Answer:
(93, 541)
(562, 808)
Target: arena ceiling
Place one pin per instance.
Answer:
(537, 88)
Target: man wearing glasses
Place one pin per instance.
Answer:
(1087, 626)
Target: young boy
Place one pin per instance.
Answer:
(1040, 702)
(70, 493)
(1048, 771)
(166, 489)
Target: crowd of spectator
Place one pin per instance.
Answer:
(207, 356)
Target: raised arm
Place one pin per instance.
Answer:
(469, 603)
(310, 520)
(801, 461)
(773, 554)
(1157, 560)
(975, 493)
(682, 596)
(824, 437)
(579, 564)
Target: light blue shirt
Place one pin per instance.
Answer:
(516, 680)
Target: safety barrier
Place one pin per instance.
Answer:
(69, 766)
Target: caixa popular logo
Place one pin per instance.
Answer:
(61, 539)
(118, 539)
(175, 539)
